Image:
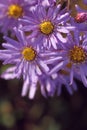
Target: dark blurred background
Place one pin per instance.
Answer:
(65, 112)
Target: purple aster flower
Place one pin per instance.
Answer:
(47, 25)
(11, 10)
(26, 59)
(74, 56)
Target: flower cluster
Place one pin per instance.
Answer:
(48, 46)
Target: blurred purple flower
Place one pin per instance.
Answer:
(11, 10)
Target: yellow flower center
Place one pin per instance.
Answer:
(29, 53)
(15, 11)
(77, 54)
(46, 27)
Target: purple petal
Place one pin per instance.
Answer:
(58, 67)
(83, 77)
(25, 87)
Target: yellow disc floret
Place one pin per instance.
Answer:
(46, 27)
(29, 54)
(77, 54)
(15, 11)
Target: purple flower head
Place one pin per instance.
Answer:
(47, 25)
(26, 59)
(74, 56)
(10, 11)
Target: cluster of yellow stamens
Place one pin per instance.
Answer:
(29, 54)
(15, 11)
(46, 27)
(77, 54)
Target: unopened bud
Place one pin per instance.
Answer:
(81, 17)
